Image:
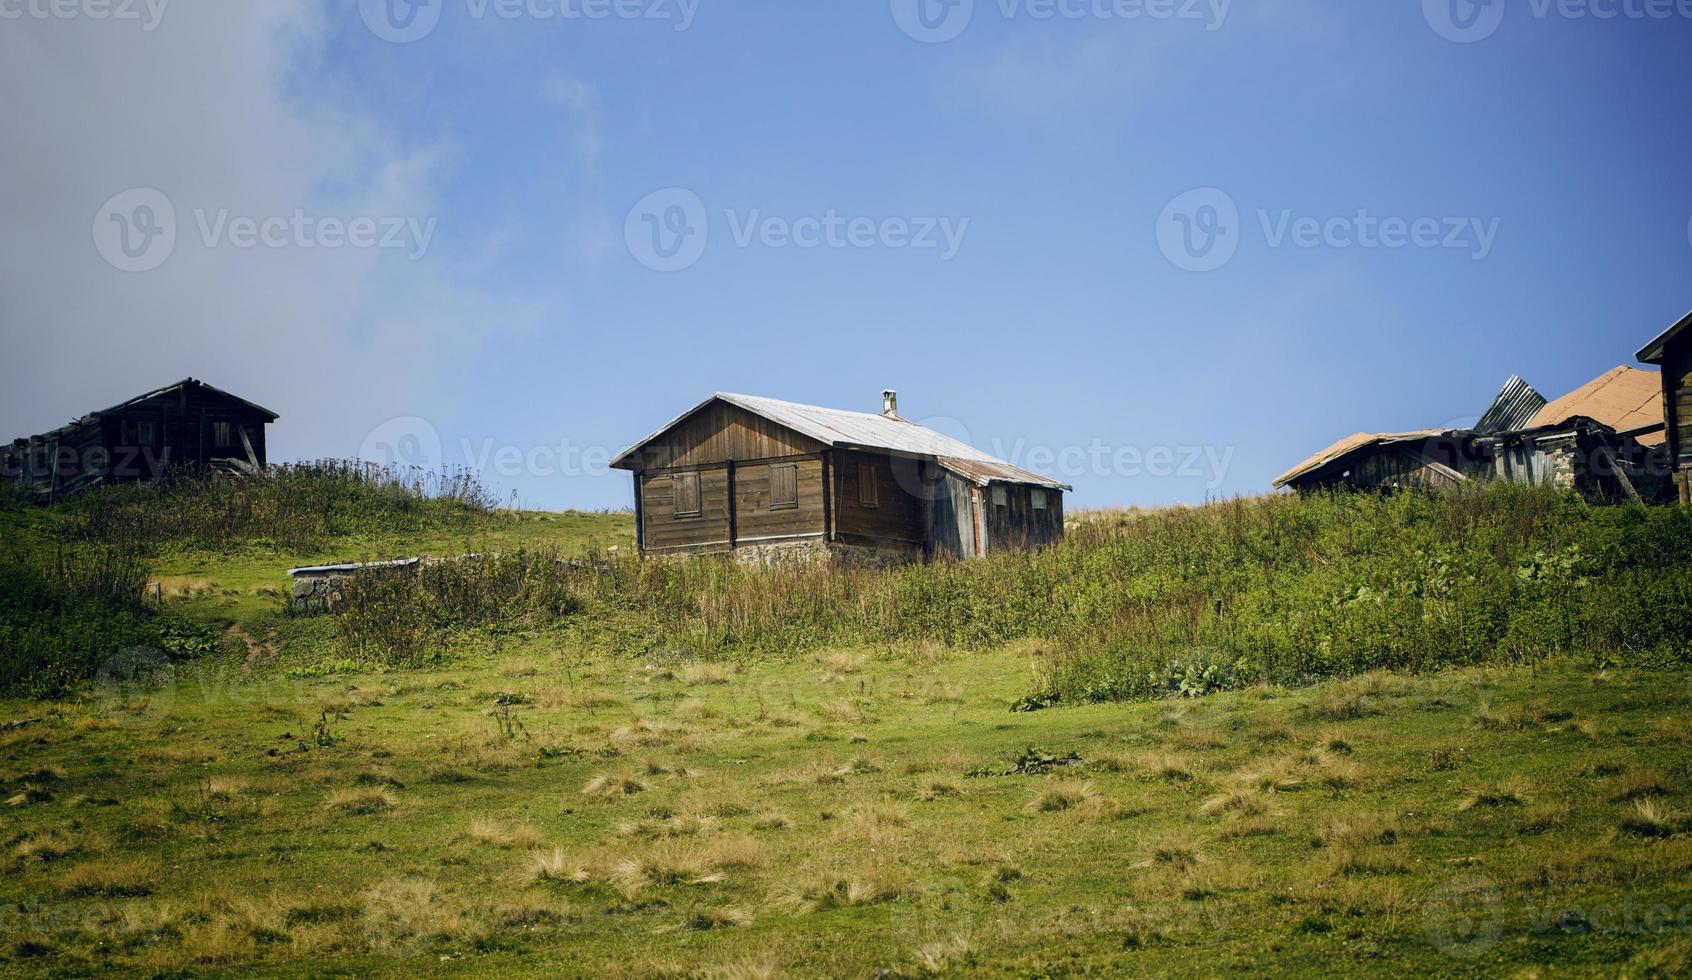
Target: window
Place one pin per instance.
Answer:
(144, 433)
(869, 494)
(784, 486)
(222, 435)
(1039, 497)
(127, 434)
(1000, 497)
(686, 486)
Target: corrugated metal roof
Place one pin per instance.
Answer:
(1622, 398)
(1516, 405)
(861, 430)
(1352, 444)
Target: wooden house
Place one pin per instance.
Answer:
(189, 425)
(1603, 440)
(766, 479)
(1672, 351)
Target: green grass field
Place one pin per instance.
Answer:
(543, 803)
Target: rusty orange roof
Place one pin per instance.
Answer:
(1351, 444)
(1622, 398)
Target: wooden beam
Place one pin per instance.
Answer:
(733, 505)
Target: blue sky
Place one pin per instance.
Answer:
(1552, 155)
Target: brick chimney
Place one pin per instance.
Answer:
(890, 403)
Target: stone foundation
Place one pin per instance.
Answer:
(806, 550)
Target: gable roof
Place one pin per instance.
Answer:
(841, 429)
(1352, 445)
(171, 389)
(1623, 398)
(1652, 353)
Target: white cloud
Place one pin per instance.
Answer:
(209, 110)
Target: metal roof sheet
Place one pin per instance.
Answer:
(1517, 403)
(861, 430)
(1622, 398)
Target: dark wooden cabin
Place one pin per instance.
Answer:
(767, 479)
(1672, 351)
(188, 425)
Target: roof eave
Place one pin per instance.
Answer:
(1652, 353)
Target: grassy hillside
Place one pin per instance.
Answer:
(1354, 734)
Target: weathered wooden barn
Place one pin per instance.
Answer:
(188, 425)
(768, 480)
(1672, 351)
(1604, 439)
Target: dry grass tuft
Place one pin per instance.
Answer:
(708, 917)
(1168, 767)
(843, 711)
(362, 801)
(1063, 794)
(836, 664)
(612, 787)
(1638, 784)
(1281, 774)
(1240, 802)
(820, 890)
(113, 878)
(558, 867)
(502, 835)
(772, 820)
(1357, 830)
(701, 674)
(1651, 817)
(939, 789)
(407, 910)
(1512, 791)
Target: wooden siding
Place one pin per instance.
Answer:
(1015, 524)
(756, 521)
(110, 447)
(720, 432)
(1677, 400)
(900, 514)
(952, 521)
(663, 531)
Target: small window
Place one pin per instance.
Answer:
(144, 434)
(128, 434)
(784, 486)
(869, 494)
(223, 435)
(1039, 498)
(687, 493)
(1000, 497)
